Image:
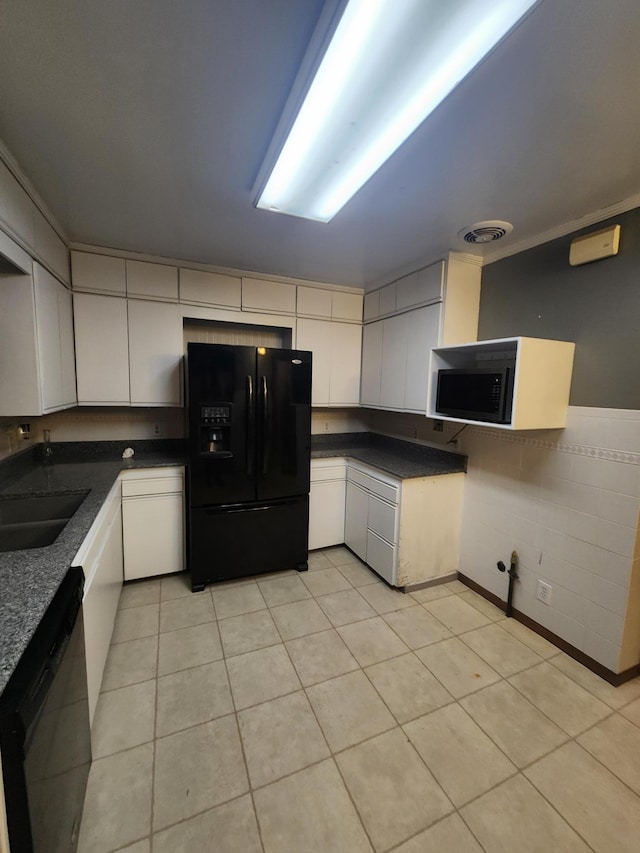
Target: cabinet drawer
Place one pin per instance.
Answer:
(377, 487)
(382, 519)
(329, 472)
(381, 557)
(151, 486)
(359, 477)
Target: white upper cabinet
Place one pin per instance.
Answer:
(273, 297)
(425, 285)
(371, 305)
(36, 344)
(336, 349)
(54, 326)
(371, 363)
(22, 219)
(98, 273)
(16, 208)
(102, 349)
(346, 306)
(329, 304)
(155, 353)
(314, 302)
(388, 300)
(436, 305)
(209, 288)
(128, 351)
(422, 327)
(394, 362)
(50, 248)
(152, 281)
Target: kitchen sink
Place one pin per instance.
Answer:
(20, 537)
(39, 507)
(35, 521)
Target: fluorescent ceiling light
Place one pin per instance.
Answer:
(387, 67)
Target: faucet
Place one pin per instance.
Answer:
(47, 452)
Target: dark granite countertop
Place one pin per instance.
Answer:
(29, 579)
(401, 459)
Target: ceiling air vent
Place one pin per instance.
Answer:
(486, 232)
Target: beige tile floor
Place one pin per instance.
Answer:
(326, 712)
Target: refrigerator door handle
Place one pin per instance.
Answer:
(250, 429)
(265, 424)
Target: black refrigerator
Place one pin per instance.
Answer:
(249, 425)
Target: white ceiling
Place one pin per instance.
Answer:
(143, 125)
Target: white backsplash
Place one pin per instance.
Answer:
(328, 421)
(567, 502)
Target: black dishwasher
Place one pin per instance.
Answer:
(44, 730)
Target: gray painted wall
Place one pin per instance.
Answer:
(537, 294)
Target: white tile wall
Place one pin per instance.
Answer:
(567, 501)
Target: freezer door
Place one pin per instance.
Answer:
(221, 397)
(233, 542)
(283, 423)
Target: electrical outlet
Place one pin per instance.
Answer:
(438, 426)
(415, 432)
(544, 592)
(326, 426)
(157, 429)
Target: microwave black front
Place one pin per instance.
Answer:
(476, 394)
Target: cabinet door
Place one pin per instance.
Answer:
(315, 335)
(371, 305)
(98, 273)
(387, 299)
(67, 351)
(314, 302)
(50, 248)
(346, 351)
(209, 288)
(155, 353)
(326, 514)
(102, 349)
(394, 362)
(152, 281)
(371, 364)
(382, 518)
(16, 208)
(48, 335)
(355, 520)
(275, 297)
(422, 334)
(153, 535)
(430, 284)
(346, 306)
(381, 556)
(101, 603)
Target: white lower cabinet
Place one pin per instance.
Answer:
(153, 522)
(371, 520)
(327, 503)
(355, 520)
(407, 531)
(100, 556)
